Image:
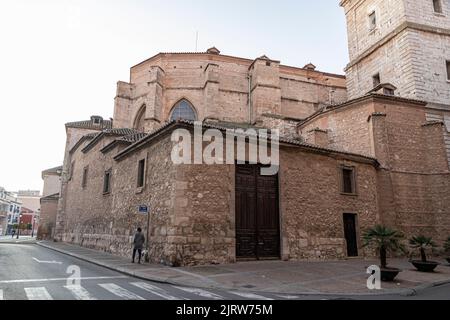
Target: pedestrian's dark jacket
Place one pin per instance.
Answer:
(139, 240)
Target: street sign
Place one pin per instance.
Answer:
(143, 209)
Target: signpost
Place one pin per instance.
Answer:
(144, 210)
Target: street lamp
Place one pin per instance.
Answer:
(18, 229)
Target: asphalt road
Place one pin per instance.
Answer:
(31, 272)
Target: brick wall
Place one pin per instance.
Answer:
(218, 87)
(413, 179)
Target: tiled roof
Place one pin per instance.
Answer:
(304, 145)
(108, 132)
(134, 137)
(88, 124)
(128, 139)
(120, 131)
(362, 98)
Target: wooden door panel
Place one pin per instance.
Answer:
(350, 234)
(257, 214)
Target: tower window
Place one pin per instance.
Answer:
(84, 179)
(348, 180)
(141, 174)
(107, 182)
(372, 21)
(448, 69)
(437, 6)
(376, 80)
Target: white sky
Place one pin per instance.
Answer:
(60, 60)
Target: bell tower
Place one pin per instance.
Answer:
(402, 42)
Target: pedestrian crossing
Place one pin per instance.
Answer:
(129, 291)
(155, 290)
(39, 293)
(80, 293)
(120, 292)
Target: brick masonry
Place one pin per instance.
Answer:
(413, 179)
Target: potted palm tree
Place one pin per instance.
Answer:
(384, 240)
(422, 243)
(447, 249)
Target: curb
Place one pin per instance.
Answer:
(19, 242)
(107, 266)
(407, 292)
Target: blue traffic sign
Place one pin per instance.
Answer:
(143, 209)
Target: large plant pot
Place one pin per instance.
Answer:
(389, 274)
(428, 266)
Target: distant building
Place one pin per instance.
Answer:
(29, 221)
(52, 181)
(49, 202)
(30, 199)
(10, 208)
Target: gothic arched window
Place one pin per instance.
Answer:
(183, 110)
(139, 122)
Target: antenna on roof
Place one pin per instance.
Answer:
(196, 41)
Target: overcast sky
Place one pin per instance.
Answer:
(60, 60)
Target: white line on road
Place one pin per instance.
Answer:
(38, 294)
(61, 279)
(249, 295)
(1, 294)
(155, 290)
(288, 297)
(80, 293)
(47, 262)
(201, 293)
(120, 292)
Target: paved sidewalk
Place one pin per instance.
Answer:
(22, 239)
(330, 277)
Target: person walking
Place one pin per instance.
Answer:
(138, 244)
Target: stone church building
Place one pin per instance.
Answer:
(358, 150)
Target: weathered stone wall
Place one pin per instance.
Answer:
(107, 222)
(312, 205)
(204, 219)
(347, 128)
(158, 194)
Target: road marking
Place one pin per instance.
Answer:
(80, 293)
(38, 294)
(1, 294)
(155, 290)
(47, 262)
(120, 292)
(61, 279)
(249, 295)
(201, 293)
(288, 297)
